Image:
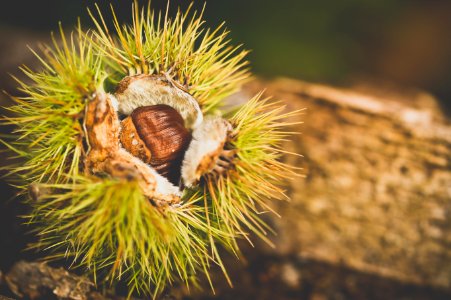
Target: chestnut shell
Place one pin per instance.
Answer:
(161, 128)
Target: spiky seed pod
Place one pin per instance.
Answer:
(107, 207)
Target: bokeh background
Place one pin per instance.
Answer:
(405, 42)
(400, 43)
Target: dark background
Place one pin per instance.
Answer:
(401, 42)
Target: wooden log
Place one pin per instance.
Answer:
(377, 192)
(34, 280)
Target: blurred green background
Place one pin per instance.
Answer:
(405, 42)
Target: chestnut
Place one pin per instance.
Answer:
(156, 134)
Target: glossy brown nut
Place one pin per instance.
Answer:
(156, 134)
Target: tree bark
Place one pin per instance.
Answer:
(34, 280)
(377, 191)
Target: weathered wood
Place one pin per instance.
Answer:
(377, 192)
(33, 280)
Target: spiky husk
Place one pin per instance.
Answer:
(106, 225)
(109, 226)
(199, 59)
(48, 134)
(238, 198)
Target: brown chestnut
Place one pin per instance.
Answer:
(156, 134)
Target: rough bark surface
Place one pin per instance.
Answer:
(35, 280)
(377, 192)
